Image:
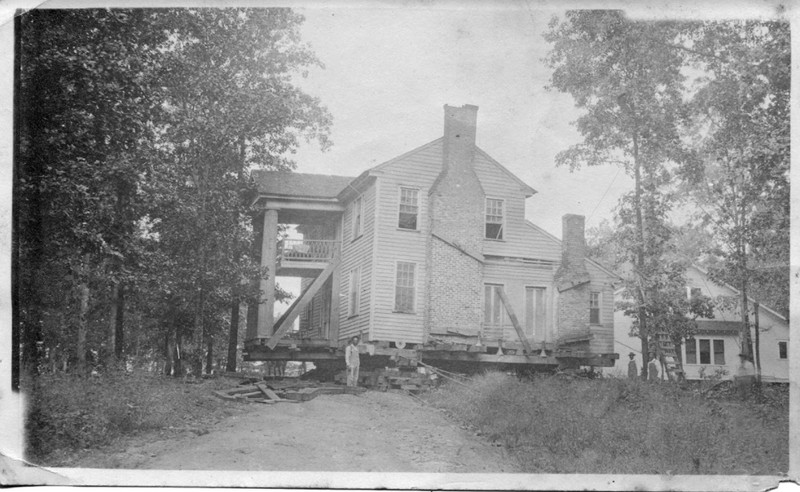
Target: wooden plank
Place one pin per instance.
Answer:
(515, 321)
(285, 322)
(270, 394)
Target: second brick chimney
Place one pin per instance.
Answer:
(572, 278)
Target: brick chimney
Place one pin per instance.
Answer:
(455, 242)
(572, 278)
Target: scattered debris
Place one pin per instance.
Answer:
(276, 391)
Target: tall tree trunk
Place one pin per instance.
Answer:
(80, 345)
(756, 308)
(233, 337)
(209, 354)
(177, 355)
(119, 323)
(112, 326)
(642, 315)
(168, 354)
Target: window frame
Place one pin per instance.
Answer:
(496, 304)
(503, 213)
(354, 292)
(783, 350)
(543, 316)
(697, 351)
(400, 206)
(597, 308)
(413, 287)
(357, 218)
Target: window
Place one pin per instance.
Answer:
(535, 312)
(695, 292)
(358, 217)
(405, 287)
(707, 349)
(354, 296)
(409, 209)
(783, 350)
(493, 307)
(594, 308)
(494, 218)
(691, 351)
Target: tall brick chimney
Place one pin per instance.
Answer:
(572, 278)
(455, 242)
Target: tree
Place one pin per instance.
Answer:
(136, 131)
(630, 88)
(740, 181)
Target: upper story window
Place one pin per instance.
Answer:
(783, 350)
(594, 308)
(495, 217)
(694, 292)
(358, 217)
(405, 287)
(409, 209)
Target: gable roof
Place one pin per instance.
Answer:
(558, 242)
(282, 183)
(526, 190)
(737, 292)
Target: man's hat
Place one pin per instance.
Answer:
(632, 354)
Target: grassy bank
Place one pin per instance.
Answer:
(70, 414)
(558, 425)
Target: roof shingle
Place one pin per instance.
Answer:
(298, 184)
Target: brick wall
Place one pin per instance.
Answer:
(572, 279)
(456, 205)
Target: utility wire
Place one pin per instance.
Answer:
(604, 194)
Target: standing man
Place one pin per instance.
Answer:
(653, 368)
(633, 371)
(745, 376)
(351, 358)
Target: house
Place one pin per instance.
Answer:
(428, 256)
(714, 350)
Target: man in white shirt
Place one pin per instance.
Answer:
(653, 368)
(351, 359)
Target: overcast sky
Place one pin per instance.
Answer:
(388, 72)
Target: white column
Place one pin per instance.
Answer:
(266, 310)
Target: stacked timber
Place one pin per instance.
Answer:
(278, 391)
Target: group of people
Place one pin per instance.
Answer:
(653, 367)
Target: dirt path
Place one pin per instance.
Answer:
(374, 431)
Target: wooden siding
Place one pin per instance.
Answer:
(515, 276)
(357, 253)
(415, 170)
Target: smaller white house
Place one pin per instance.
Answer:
(715, 349)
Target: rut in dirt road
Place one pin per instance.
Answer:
(374, 431)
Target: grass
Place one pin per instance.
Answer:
(557, 425)
(69, 415)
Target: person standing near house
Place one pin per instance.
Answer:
(633, 371)
(653, 368)
(351, 359)
(745, 376)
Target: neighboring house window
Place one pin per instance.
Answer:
(405, 287)
(783, 350)
(535, 311)
(493, 305)
(594, 308)
(354, 296)
(494, 218)
(358, 217)
(704, 350)
(409, 209)
(695, 292)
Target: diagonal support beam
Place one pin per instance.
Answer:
(285, 322)
(515, 322)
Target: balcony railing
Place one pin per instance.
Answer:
(310, 250)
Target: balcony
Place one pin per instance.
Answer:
(305, 257)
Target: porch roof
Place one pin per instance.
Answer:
(299, 185)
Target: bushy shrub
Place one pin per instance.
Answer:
(558, 425)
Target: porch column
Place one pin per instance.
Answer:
(266, 310)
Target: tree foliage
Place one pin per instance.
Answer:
(136, 133)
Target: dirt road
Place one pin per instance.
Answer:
(373, 431)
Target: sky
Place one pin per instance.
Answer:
(389, 72)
